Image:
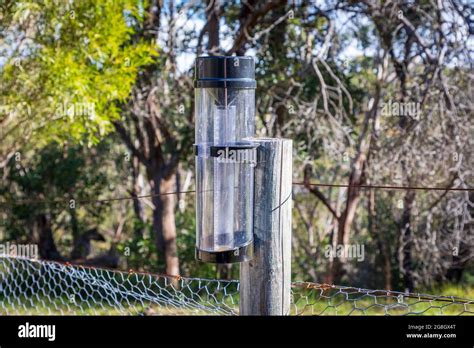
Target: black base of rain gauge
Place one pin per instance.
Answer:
(241, 254)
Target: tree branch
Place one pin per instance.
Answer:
(315, 191)
(248, 25)
(125, 135)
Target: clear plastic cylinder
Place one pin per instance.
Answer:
(225, 161)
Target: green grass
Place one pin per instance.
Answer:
(354, 302)
(307, 302)
(453, 290)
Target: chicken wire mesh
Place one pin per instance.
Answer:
(33, 287)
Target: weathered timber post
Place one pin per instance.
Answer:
(265, 281)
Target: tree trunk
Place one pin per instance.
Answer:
(277, 48)
(75, 231)
(224, 271)
(137, 203)
(406, 230)
(347, 217)
(164, 223)
(343, 233)
(46, 245)
(382, 244)
(213, 26)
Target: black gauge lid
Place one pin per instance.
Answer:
(225, 72)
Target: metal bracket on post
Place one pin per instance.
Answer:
(265, 282)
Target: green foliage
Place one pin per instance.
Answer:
(186, 242)
(139, 252)
(79, 67)
(46, 182)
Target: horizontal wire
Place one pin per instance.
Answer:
(386, 187)
(105, 200)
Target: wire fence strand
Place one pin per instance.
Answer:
(124, 198)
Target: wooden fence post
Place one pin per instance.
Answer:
(266, 280)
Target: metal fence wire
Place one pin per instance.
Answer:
(34, 287)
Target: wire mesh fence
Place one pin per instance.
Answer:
(33, 287)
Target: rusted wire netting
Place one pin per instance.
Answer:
(34, 287)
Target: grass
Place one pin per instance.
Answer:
(306, 302)
(353, 302)
(460, 291)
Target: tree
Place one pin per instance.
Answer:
(71, 68)
(44, 195)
